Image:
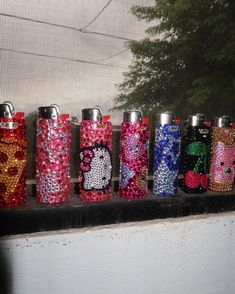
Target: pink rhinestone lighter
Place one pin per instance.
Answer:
(95, 174)
(134, 141)
(52, 155)
(222, 155)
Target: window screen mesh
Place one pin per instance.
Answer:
(69, 52)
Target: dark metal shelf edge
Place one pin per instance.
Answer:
(36, 217)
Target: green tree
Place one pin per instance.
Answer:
(186, 63)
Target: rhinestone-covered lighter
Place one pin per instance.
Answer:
(95, 176)
(166, 155)
(195, 155)
(222, 155)
(133, 156)
(12, 156)
(52, 155)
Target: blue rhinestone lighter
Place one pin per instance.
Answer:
(166, 156)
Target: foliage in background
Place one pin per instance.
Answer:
(31, 122)
(31, 119)
(187, 61)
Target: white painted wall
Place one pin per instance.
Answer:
(181, 256)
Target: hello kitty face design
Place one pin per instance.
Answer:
(223, 160)
(133, 148)
(96, 167)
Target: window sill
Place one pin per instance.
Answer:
(36, 217)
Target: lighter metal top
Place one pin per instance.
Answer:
(49, 112)
(132, 116)
(165, 118)
(6, 109)
(196, 120)
(94, 114)
(222, 121)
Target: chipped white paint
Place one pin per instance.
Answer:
(188, 255)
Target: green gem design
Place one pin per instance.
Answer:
(198, 149)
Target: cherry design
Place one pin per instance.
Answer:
(193, 180)
(204, 181)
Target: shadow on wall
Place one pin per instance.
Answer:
(5, 272)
